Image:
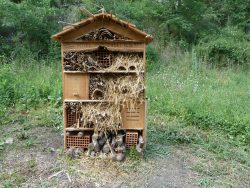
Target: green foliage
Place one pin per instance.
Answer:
(231, 46)
(152, 58)
(7, 89)
(29, 24)
(133, 153)
(201, 96)
(29, 83)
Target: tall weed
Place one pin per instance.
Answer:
(28, 82)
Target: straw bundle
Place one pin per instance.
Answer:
(101, 117)
(124, 62)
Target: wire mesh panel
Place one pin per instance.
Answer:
(104, 57)
(131, 138)
(78, 142)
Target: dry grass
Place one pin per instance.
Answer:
(116, 90)
(127, 63)
(125, 90)
(101, 116)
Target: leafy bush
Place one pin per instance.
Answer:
(231, 46)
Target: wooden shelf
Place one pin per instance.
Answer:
(78, 129)
(74, 100)
(106, 72)
(91, 129)
(94, 101)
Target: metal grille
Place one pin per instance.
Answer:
(104, 58)
(78, 142)
(131, 138)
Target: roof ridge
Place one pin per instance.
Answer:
(70, 28)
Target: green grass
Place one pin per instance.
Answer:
(27, 83)
(210, 98)
(206, 110)
(218, 160)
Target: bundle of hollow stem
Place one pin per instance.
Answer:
(116, 91)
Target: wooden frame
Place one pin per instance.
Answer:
(76, 83)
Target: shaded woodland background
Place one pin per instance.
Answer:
(198, 63)
(212, 36)
(198, 79)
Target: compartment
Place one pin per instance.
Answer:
(98, 116)
(118, 88)
(76, 86)
(103, 59)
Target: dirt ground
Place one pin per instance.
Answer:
(39, 161)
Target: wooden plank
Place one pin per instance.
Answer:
(104, 23)
(87, 101)
(79, 129)
(76, 86)
(106, 72)
(144, 133)
(92, 46)
(133, 119)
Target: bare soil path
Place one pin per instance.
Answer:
(38, 160)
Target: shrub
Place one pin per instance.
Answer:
(152, 57)
(231, 46)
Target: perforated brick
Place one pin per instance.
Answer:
(131, 138)
(78, 142)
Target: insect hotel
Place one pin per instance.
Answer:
(103, 69)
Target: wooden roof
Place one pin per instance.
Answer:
(102, 20)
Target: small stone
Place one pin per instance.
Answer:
(119, 140)
(102, 141)
(80, 134)
(94, 137)
(96, 146)
(121, 149)
(9, 140)
(52, 150)
(113, 157)
(106, 148)
(120, 156)
(97, 184)
(67, 133)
